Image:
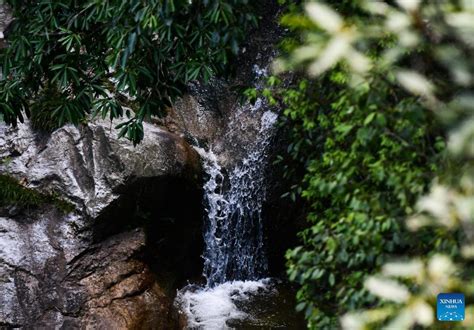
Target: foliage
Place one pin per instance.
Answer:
(367, 161)
(369, 143)
(449, 206)
(13, 193)
(114, 58)
(415, 283)
(366, 178)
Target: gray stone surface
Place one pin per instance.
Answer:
(5, 19)
(86, 165)
(53, 272)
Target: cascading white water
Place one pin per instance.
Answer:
(234, 254)
(233, 228)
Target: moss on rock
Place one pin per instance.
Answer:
(12, 192)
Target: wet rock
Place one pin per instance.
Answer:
(105, 265)
(192, 117)
(217, 115)
(5, 19)
(87, 164)
(122, 292)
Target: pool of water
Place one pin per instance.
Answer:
(263, 304)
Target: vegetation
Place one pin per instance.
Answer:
(367, 158)
(365, 131)
(12, 193)
(68, 58)
(379, 112)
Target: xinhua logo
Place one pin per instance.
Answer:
(450, 307)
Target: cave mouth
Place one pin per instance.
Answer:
(170, 211)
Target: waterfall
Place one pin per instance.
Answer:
(235, 263)
(233, 226)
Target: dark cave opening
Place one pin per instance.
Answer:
(170, 211)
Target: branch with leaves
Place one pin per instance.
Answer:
(85, 53)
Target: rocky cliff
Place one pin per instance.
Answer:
(133, 235)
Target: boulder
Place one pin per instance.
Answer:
(87, 164)
(133, 238)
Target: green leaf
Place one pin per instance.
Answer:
(369, 118)
(344, 129)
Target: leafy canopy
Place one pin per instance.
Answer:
(68, 58)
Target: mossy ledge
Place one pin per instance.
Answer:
(12, 192)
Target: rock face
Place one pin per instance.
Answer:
(88, 164)
(134, 235)
(5, 19)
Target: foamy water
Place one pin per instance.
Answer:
(234, 253)
(211, 308)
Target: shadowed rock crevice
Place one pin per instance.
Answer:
(170, 212)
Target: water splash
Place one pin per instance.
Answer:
(212, 308)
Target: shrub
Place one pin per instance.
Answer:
(370, 145)
(100, 56)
